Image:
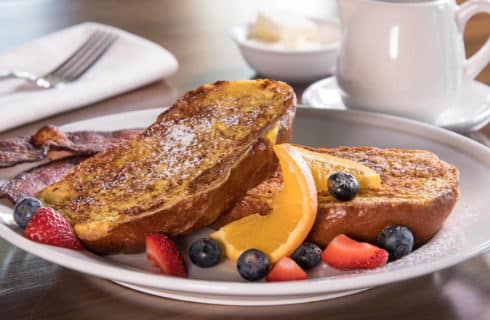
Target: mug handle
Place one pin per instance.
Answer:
(475, 64)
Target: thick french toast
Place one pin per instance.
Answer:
(418, 190)
(182, 172)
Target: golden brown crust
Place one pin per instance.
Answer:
(418, 190)
(257, 200)
(365, 222)
(192, 213)
(181, 172)
(50, 143)
(255, 168)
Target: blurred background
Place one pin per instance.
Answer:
(197, 32)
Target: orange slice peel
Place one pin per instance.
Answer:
(323, 165)
(293, 213)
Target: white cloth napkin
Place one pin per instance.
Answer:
(130, 62)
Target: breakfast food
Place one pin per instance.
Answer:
(24, 210)
(418, 190)
(293, 213)
(30, 182)
(205, 253)
(307, 255)
(209, 161)
(397, 240)
(48, 155)
(164, 254)
(324, 167)
(50, 143)
(286, 270)
(347, 254)
(343, 186)
(284, 29)
(49, 227)
(182, 172)
(253, 265)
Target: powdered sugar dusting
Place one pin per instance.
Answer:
(449, 240)
(181, 135)
(232, 120)
(185, 151)
(335, 213)
(177, 150)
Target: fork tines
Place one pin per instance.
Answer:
(84, 57)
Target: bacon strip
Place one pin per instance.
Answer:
(27, 184)
(58, 150)
(50, 140)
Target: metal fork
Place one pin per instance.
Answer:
(72, 67)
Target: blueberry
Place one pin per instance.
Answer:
(253, 265)
(397, 240)
(24, 210)
(205, 253)
(343, 186)
(307, 256)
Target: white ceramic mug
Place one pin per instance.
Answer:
(406, 57)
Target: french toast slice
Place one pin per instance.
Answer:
(182, 172)
(418, 190)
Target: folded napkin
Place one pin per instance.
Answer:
(130, 62)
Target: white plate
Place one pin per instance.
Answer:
(470, 113)
(465, 233)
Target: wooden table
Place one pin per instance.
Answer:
(196, 32)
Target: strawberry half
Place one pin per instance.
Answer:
(286, 269)
(49, 227)
(165, 255)
(348, 254)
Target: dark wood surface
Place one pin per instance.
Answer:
(196, 32)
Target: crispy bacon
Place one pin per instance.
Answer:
(57, 151)
(52, 143)
(32, 181)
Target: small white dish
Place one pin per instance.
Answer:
(293, 65)
(471, 113)
(464, 234)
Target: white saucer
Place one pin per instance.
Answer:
(471, 113)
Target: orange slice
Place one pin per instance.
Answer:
(322, 165)
(271, 135)
(293, 214)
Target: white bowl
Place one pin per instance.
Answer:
(294, 65)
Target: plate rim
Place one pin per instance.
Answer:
(93, 267)
(238, 300)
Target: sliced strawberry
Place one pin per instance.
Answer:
(164, 254)
(286, 270)
(345, 253)
(49, 227)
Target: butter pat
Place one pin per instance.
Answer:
(290, 31)
(326, 34)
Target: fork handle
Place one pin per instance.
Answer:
(17, 75)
